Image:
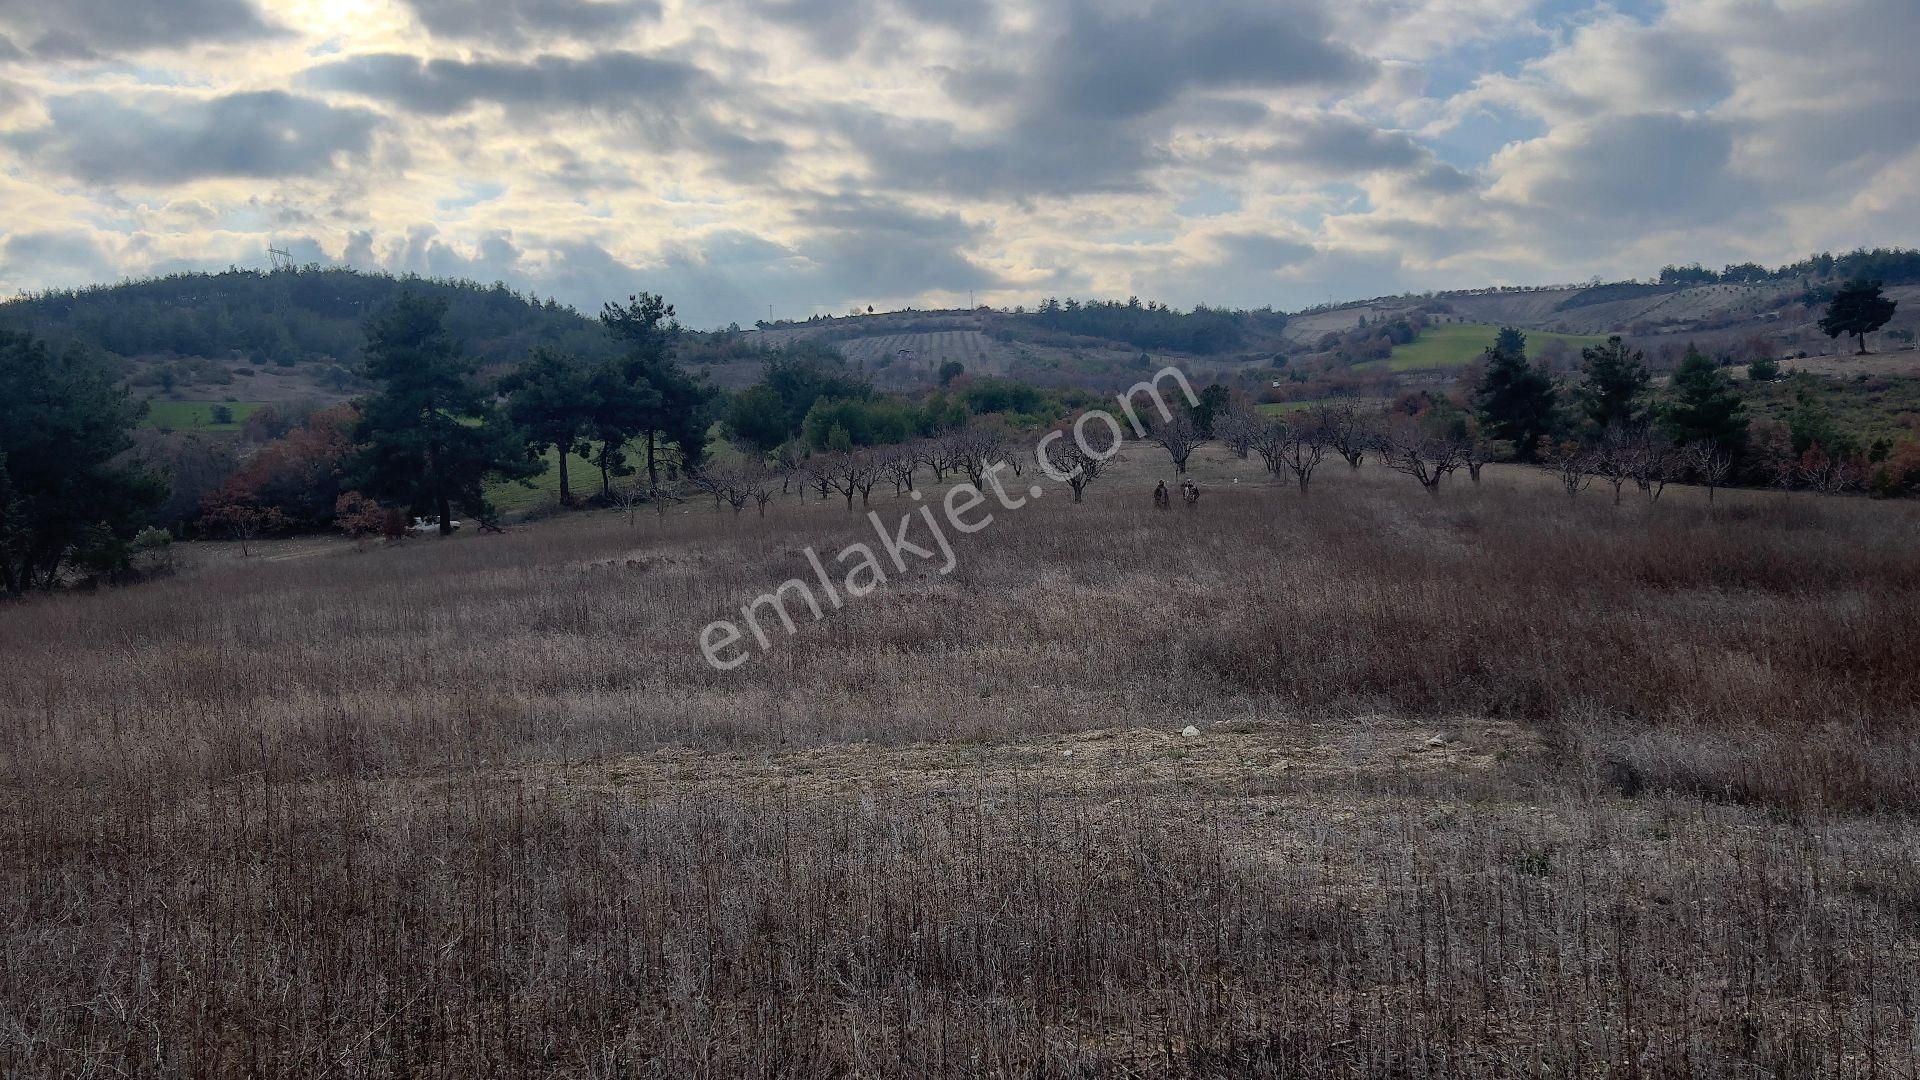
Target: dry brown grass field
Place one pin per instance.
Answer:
(1494, 783)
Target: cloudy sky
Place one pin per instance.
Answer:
(816, 154)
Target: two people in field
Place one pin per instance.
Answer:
(1189, 494)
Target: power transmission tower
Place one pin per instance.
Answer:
(281, 258)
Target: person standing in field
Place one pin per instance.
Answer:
(1161, 500)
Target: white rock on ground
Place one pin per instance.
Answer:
(1190, 731)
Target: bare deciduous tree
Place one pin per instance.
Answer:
(1429, 457)
(1081, 468)
(1570, 463)
(899, 464)
(1616, 458)
(1178, 437)
(1302, 445)
(973, 450)
(1348, 433)
(1238, 425)
(1707, 464)
(731, 484)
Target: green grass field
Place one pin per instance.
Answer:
(1282, 408)
(198, 415)
(513, 498)
(1458, 344)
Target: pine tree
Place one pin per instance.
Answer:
(549, 399)
(431, 435)
(1857, 310)
(680, 407)
(1704, 407)
(1616, 384)
(1514, 399)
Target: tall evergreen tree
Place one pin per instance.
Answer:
(1857, 310)
(1514, 399)
(550, 400)
(431, 434)
(66, 493)
(1614, 391)
(1703, 405)
(680, 408)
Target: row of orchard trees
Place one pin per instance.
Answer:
(1611, 427)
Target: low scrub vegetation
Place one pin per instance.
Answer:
(1487, 783)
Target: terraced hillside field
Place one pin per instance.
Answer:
(925, 352)
(1458, 344)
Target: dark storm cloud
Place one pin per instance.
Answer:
(612, 81)
(80, 29)
(512, 21)
(1101, 94)
(158, 139)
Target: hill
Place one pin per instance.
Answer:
(247, 335)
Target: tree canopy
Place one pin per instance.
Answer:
(431, 435)
(1857, 310)
(1515, 400)
(66, 491)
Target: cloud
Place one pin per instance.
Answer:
(171, 139)
(609, 81)
(1093, 106)
(55, 256)
(513, 22)
(86, 29)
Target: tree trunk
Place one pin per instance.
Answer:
(566, 493)
(445, 507)
(653, 477)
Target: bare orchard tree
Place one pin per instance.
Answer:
(1410, 447)
(1179, 437)
(818, 471)
(1831, 474)
(1302, 445)
(1238, 425)
(628, 494)
(1708, 464)
(1616, 458)
(851, 473)
(1570, 463)
(1270, 439)
(1080, 468)
(899, 464)
(1348, 433)
(787, 462)
(1655, 462)
(936, 455)
(974, 450)
(732, 484)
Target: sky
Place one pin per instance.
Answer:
(797, 157)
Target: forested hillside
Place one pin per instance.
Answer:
(288, 317)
